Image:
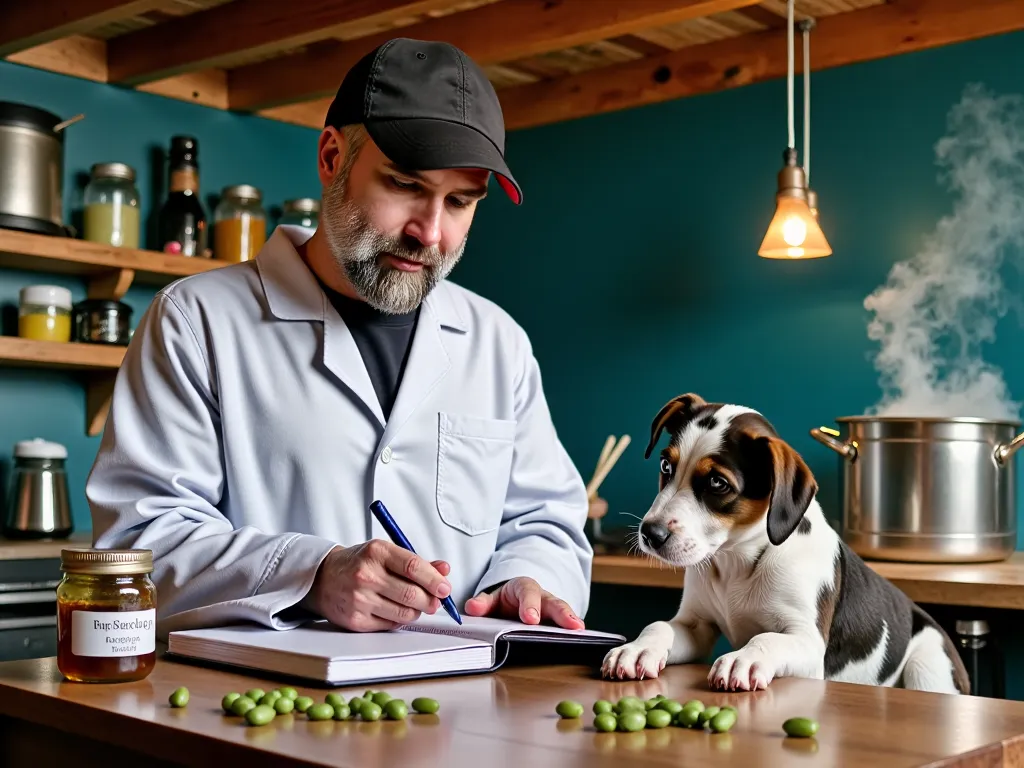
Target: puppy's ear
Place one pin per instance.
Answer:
(793, 488)
(671, 415)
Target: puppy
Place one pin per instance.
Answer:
(736, 507)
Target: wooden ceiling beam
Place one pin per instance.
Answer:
(219, 36)
(29, 23)
(491, 34)
(900, 26)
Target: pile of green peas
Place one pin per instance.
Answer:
(631, 713)
(260, 707)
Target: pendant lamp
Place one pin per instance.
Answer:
(794, 232)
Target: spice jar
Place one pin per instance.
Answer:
(240, 224)
(304, 212)
(106, 615)
(111, 212)
(44, 313)
(102, 321)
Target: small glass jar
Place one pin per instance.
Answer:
(44, 313)
(240, 224)
(304, 212)
(106, 615)
(111, 213)
(101, 321)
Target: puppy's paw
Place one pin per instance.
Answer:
(744, 670)
(633, 661)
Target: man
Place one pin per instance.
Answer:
(261, 407)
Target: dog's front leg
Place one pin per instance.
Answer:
(767, 656)
(685, 638)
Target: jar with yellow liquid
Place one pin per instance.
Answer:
(44, 313)
(111, 212)
(240, 224)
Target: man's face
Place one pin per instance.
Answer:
(394, 232)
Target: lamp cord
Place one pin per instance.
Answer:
(807, 104)
(789, 73)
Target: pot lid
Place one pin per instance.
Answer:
(38, 448)
(33, 118)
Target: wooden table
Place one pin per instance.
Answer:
(985, 585)
(40, 549)
(504, 719)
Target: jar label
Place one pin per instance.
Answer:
(113, 633)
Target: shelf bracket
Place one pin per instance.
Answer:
(99, 391)
(111, 285)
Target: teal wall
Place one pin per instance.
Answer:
(135, 128)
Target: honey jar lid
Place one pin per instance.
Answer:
(109, 562)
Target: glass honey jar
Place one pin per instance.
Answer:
(106, 615)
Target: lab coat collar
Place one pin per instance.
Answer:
(293, 292)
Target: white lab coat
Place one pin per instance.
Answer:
(245, 440)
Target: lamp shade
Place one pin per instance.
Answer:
(794, 232)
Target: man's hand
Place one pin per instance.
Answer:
(376, 586)
(523, 599)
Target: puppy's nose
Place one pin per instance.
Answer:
(654, 534)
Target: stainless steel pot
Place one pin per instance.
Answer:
(927, 490)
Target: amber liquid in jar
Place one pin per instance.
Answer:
(106, 622)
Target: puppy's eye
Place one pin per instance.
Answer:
(718, 484)
(666, 467)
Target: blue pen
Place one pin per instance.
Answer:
(384, 518)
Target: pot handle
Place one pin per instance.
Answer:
(1004, 451)
(846, 450)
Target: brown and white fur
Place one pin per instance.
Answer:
(737, 508)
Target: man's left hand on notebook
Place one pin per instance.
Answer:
(522, 598)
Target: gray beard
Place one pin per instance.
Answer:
(359, 250)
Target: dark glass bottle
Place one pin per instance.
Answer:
(182, 224)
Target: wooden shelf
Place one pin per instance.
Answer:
(110, 271)
(40, 549)
(981, 585)
(27, 353)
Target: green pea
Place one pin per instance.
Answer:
(355, 703)
(723, 721)
(303, 703)
(695, 703)
(260, 715)
(283, 705)
(569, 709)
(687, 717)
(396, 709)
(342, 712)
(606, 721)
(289, 693)
(800, 727)
(228, 700)
(380, 698)
(255, 693)
(241, 705)
(425, 706)
(627, 703)
(334, 699)
(370, 711)
(603, 707)
(633, 720)
(320, 712)
(179, 698)
(671, 706)
(658, 718)
(707, 714)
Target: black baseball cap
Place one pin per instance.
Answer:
(427, 106)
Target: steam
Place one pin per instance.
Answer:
(938, 309)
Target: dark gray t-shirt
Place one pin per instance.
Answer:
(383, 341)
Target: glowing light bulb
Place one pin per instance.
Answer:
(794, 231)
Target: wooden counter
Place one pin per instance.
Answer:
(41, 549)
(493, 720)
(987, 585)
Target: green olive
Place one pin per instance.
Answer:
(670, 705)
(241, 705)
(723, 721)
(369, 694)
(800, 727)
(289, 693)
(658, 718)
(269, 698)
(228, 700)
(179, 698)
(633, 720)
(707, 714)
(606, 721)
(355, 703)
(303, 703)
(334, 699)
(425, 706)
(370, 711)
(603, 706)
(255, 693)
(695, 703)
(396, 709)
(627, 703)
(320, 712)
(342, 712)
(661, 696)
(283, 705)
(569, 709)
(651, 704)
(380, 698)
(260, 715)
(687, 717)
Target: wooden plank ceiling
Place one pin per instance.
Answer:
(550, 60)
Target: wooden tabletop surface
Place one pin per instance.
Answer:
(39, 549)
(503, 719)
(988, 585)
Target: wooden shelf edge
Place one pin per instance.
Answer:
(59, 355)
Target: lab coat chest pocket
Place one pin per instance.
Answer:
(474, 462)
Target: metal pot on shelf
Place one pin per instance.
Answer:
(38, 505)
(938, 490)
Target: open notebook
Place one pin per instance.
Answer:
(430, 647)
